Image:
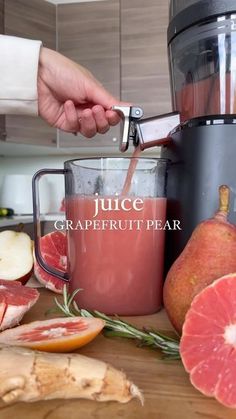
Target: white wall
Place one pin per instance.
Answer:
(30, 165)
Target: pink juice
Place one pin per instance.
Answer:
(118, 259)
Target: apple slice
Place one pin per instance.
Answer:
(16, 256)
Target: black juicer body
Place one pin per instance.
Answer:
(203, 157)
(202, 52)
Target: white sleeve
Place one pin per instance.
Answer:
(18, 75)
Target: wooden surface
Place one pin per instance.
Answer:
(166, 387)
(1, 16)
(34, 20)
(89, 33)
(2, 127)
(31, 19)
(144, 57)
(30, 130)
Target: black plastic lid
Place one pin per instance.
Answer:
(198, 12)
(209, 120)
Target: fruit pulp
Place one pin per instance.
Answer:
(210, 96)
(119, 269)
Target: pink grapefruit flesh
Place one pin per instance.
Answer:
(54, 253)
(15, 301)
(55, 335)
(208, 343)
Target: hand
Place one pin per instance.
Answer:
(70, 98)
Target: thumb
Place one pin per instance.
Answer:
(98, 95)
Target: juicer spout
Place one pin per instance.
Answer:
(148, 132)
(157, 130)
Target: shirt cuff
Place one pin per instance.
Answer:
(18, 75)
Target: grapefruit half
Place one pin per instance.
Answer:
(55, 335)
(54, 252)
(208, 343)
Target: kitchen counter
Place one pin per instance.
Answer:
(15, 219)
(28, 219)
(167, 391)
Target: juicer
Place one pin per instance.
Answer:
(199, 136)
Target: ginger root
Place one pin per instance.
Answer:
(28, 375)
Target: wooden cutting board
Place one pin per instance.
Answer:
(167, 391)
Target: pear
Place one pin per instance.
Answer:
(209, 254)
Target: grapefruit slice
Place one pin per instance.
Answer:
(54, 252)
(15, 301)
(55, 335)
(208, 343)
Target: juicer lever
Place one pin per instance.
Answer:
(148, 132)
(129, 114)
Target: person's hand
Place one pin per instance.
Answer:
(70, 98)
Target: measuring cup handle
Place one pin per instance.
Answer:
(37, 225)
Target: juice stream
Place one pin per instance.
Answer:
(131, 170)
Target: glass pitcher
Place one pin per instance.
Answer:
(115, 219)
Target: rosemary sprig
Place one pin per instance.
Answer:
(119, 328)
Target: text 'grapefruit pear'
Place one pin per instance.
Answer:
(209, 254)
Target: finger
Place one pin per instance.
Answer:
(112, 117)
(71, 116)
(100, 119)
(97, 94)
(88, 126)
